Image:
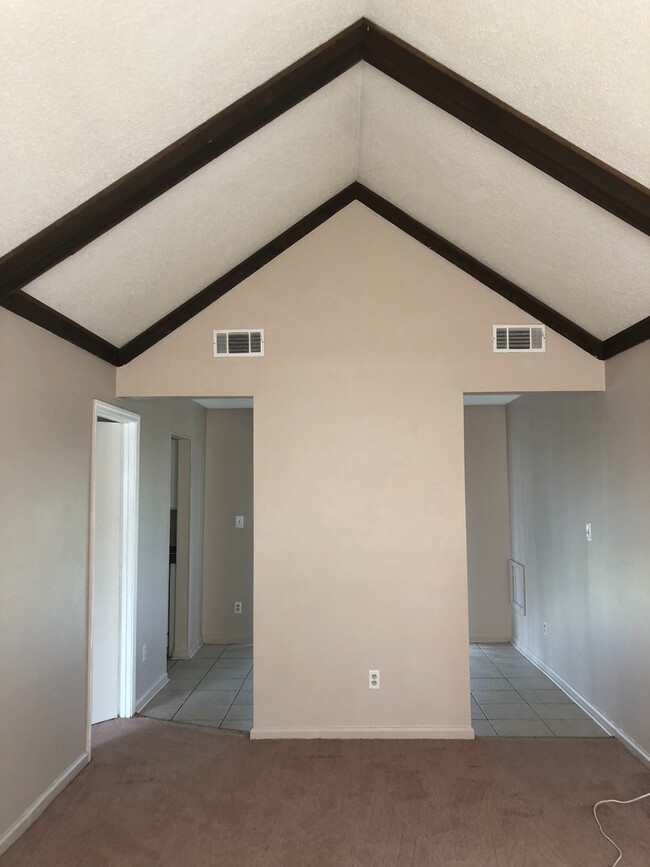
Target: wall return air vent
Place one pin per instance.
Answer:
(241, 342)
(519, 338)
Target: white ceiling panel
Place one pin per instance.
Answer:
(580, 68)
(91, 89)
(149, 264)
(558, 246)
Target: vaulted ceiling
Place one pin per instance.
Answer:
(92, 90)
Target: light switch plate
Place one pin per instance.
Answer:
(239, 522)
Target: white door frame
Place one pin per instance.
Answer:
(130, 422)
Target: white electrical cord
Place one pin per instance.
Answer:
(600, 827)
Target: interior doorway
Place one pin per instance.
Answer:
(510, 695)
(487, 518)
(179, 549)
(113, 564)
(214, 685)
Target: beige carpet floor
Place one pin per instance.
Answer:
(163, 793)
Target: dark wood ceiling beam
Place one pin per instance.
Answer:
(398, 218)
(38, 313)
(488, 277)
(232, 278)
(181, 159)
(542, 148)
(560, 159)
(362, 41)
(626, 339)
(56, 323)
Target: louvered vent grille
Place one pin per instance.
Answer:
(243, 342)
(519, 338)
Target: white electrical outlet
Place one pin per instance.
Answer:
(373, 679)
(237, 607)
(588, 531)
(144, 652)
(545, 628)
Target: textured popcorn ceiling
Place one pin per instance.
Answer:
(579, 67)
(179, 243)
(92, 88)
(558, 246)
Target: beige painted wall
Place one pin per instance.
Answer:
(228, 552)
(360, 551)
(574, 459)
(488, 523)
(46, 391)
(47, 388)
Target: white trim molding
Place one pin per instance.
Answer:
(32, 813)
(130, 423)
(216, 639)
(598, 716)
(491, 639)
(151, 692)
(372, 732)
(195, 648)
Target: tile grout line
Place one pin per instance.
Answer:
(527, 702)
(207, 671)
(472, 696)
(544, 722)
(552, 733)
(235, 698)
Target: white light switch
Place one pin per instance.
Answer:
(239, 522)
(588, 531)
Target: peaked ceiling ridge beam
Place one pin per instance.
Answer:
(485, 275)
(40, 314)
(363, 40)
(400, 219)
(178, 161)
(186, 311)
(537, 145)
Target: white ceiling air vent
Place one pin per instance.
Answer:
(519, 338)
(241, 342)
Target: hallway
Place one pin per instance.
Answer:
(511, 697)
(214, 688)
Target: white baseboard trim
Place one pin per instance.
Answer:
(32, 813)
(490, 639)
(378, 732)
(149, 694)
(219, 639)
(195, 648)
(598, 716)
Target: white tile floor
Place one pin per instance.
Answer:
(214, 688)
(512, 698)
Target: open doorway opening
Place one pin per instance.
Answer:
(487, 518)
(214, 686)
(510, 695)
(113, 564)
(179, 549)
